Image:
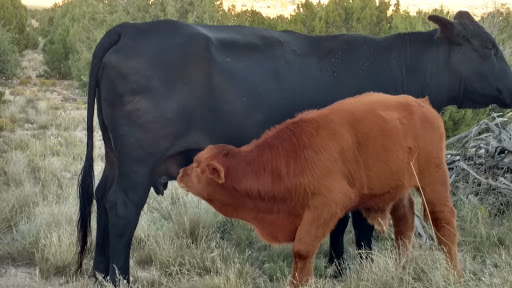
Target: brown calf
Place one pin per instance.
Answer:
(300, 177)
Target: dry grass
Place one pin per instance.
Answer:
(181, 241)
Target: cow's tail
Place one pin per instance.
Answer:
(86, 177)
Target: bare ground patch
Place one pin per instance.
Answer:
(23, 277)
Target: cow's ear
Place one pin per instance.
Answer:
(464, 16)
(215, 171)
(446, 26)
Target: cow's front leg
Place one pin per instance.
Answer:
(336, 256)
(363, 232)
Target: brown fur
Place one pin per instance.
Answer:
(295, 181)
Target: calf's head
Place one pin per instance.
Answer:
(205, 177)
(474, 62)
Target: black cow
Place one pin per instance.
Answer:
(167, 89)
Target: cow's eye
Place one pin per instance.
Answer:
(489, 47)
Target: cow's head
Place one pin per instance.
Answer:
(482, 74)
(205, 177)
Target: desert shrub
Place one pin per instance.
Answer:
(14, 18)
(44, 18)
(457, 121)
(57, 49)
(56, 52)
(32, 39)
(9, 56)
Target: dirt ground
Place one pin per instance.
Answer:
(22, 277)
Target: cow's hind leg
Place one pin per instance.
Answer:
(124, 204)
(436, 190)
(101, 253)
(363, 232)
(402, 215)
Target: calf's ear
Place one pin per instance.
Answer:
(446, 26)
(215, 171)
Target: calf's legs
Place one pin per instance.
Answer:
(309, 235)
(435, 185)
(402, 216)
(442, 214)
(318, 220)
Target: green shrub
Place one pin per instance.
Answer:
(56, 52)
(44, 18)
(32, 39)
(457, 121)
(14, 18)
(9, 56)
